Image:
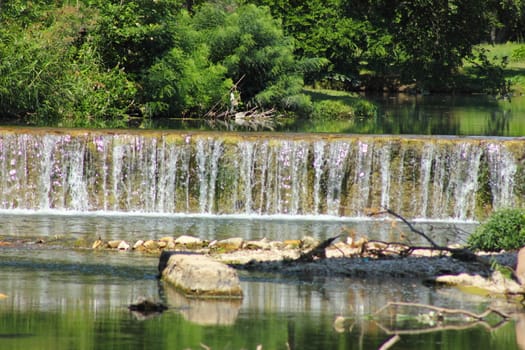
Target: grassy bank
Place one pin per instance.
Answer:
(515, 68)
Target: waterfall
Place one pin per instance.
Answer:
(259, 174)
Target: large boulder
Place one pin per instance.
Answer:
(200, 276)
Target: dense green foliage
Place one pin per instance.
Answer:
(505, 229)
(104, 63)
(387, 44)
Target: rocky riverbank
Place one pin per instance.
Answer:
(347, 257)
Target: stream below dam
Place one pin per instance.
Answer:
(61, 189)
(58, 294)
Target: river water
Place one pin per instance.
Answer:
(77, 298)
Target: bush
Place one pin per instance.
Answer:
(364, 109)
(505, 229)
(332, 110)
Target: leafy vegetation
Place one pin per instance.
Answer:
(97, 63)
(505, 229)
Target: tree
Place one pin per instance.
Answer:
(436, 36)
(504, 229)
(385, 43)
(257, 54)
(184, 81)
(133, 34)
(50, 74)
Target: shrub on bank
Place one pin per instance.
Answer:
(339, 110)
(504, 229)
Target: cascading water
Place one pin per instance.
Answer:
(258, 174)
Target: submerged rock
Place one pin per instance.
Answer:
(494, 284)
(199, 276)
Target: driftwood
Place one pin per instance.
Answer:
(471, 320)
(318, 252)
(442, 310)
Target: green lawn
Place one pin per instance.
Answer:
(515, 70)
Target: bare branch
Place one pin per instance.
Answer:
(462, 254)
(448, 311)
(390, 342)
(412, 228)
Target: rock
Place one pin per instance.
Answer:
(144, 305)
(97, 244)
(123, 245)
(292, 243)
(495, 284)
(151, 245)
(309, 242)
(520, 268)
(188, 241)
(229, 244)
(198, 275)
(138, 244)
(167, 239)
(113, 244)
(276, 245)
(262, 244)
(144, 308)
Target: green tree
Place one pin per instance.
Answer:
(184, 81)
(436, 36)
(132, 34)
(385, 43)
(49, 74)
(257, 54)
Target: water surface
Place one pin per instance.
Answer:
(77, 298)
(405, 114)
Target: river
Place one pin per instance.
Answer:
(77, 298)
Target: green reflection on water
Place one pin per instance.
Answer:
(76, 329)
(478, 115)
(77, 299)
